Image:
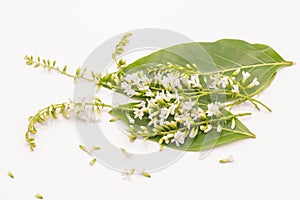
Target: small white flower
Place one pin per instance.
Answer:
(138, 113)
(193, 133)
(125, 86)
(246, 75)
(187, 105)
(213, 109)
(219, 128)
(172, 108)
(145, 80)
(177, 97)
(133, 78)
(206, 129)
(160, 96)
(158, 77)
(174, 80)
(236, 72)
(178, 118)
(164, 114)
(130, 119)
(127, 89)
(154, 121)
(196, 113)
(195, 81)
(151, 103)
(127, 175)
(169, 96)
(254, 83)
(167, 137)
(143, 87)
(149, 93)
(235, 89)
(188, 122)
(223, 81)
(214, 81)
(142, 105)
(178, 138)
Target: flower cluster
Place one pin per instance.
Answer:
(171, 106)
(231, 83)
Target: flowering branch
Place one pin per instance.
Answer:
(78, 110)
(47, 64)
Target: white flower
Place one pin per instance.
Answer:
(214, 80)
(187, 105)
(125, 86)
(151, 103)
(235, 89)
(169, 96)
(254, 83)
(188, 122)
(145, 80)
(164, 114)
(177, 117)
(196, 113)
(219, 128)
(246, 75)
(177, 97)
(213, 109)
(149, 93)
(153, 121)
(130, 119)
(206, 129)
(133, 78)
(160, 96)
(236, 72)
(142, 105)
(172, 108)
(178, 138)
(193, 133)
(223, 81)
(143, 87)
(195, 81)
(127, 89)
(174, 80)
(170, 80)
(167, 137)
(158, 77)
(138, 113)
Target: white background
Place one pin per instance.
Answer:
(264, 168)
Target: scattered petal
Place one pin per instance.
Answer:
(92, 162)
(38, 196)
(227, 160)
(10, 174)
(146, 174)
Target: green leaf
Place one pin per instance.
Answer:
(224, 57)
(201, 141)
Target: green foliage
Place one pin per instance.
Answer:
(230, 71)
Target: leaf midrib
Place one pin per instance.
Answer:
(252, 66)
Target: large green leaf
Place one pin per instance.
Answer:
(201, 141)
(223, 56)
